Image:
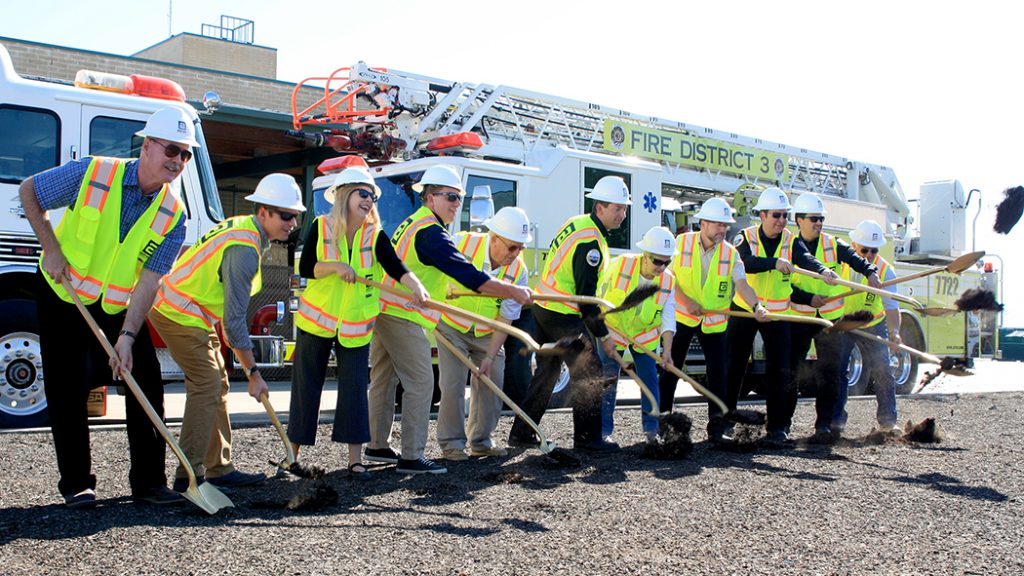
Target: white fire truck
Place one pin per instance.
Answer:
(542, 153)
(45, 124)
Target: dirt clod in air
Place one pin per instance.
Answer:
(1008, 211)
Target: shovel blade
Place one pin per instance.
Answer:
(207, 497)
(546, 447)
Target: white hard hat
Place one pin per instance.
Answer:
(351, 175)
(510, 223)
(772, 199)
(171, 124)
(715, 210)
(611, 189)
(440, 175)
(659, 241)
(280, 191)
(868, 233)
(809, 203)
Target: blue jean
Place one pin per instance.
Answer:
(647, 370)
(876, 362)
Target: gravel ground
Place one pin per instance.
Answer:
(855, 508)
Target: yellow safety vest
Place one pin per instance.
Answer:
(772, 287)
(329, 306)
(474, 246)
(434, 280)
(556, 278)
(827, 255)
(715, 294)
(89, 235)
(643, 323)
(863, 300)
(192, 294)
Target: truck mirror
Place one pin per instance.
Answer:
(211, 101)
(481, 206)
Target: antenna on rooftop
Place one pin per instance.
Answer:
(170, 12)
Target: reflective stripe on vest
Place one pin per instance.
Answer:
(716, 291)
(773, 288)
(476, 248)
(864, 300)
(435, 281)
(642, 323)
(826, 254)
(557, 275)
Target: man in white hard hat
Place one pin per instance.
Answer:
(707, 273)
(832, 348)
(400, 345)
(867, 238)
(768, 251)
(574, 266)
(499, 254)
(210, 286)
(123, 228)
(649, 324)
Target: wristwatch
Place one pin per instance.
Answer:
(250, 371)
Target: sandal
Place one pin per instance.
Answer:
(358, 471)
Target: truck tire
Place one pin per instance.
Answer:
(857, 374)
(903, 365)
(22, 397)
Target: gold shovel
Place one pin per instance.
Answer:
(289, 451)
(204, 495)
(955, 267)
(926, 357)
(861, 288)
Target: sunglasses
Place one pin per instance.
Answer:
(659, 261)
(513, 248)
(172, 150)
(777, 215)
(285, 216)
(364, 194)
(816, 219)
(449, 196)
(866, 251)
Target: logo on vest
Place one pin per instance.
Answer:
(723, 288)
(738, 239)
(148, 250)
(594, 257)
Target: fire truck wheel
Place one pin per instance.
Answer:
(22, 399)
(857, 374)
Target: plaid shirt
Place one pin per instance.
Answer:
(58, 187)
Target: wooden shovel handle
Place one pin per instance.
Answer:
(158, 422)
(455, 310)
(778, 317)
(922, 355)
(289, 451)
(862, 288)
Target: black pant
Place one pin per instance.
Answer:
(828, 372)
(778, 374)
(588, 380)
(517, 366)
(74, 362)
(713, 346)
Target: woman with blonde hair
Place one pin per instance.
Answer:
(337, 313)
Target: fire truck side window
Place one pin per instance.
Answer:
(616, 238)
(503, 193)
(115, 137)
(30, 143)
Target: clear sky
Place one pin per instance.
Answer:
(932, 89)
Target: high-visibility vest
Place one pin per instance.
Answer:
(475, 246)
(827, 255)
(864, 300)
(556, 277)
(192, 293)
(716, 292)
(329, 306)
(89, 235)
(433, 279)
(771, 286)
(643, 323)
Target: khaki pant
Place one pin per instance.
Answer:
(400, 347)
(205, 427)
(484, 405)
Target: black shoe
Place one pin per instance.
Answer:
(235, 479)
(385, 455)
(822, 437)
(81, 500)
(181, 484)
(599, 448)
(420, 466)
(530, 441)
(160, 496)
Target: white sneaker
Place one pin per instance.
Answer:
(454, 454)
(487, 451)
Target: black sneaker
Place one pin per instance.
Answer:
(235, 478)
(181, 484)
(160, 496)
(599, 448)
(420, 466)
(530, 441)
(81, 500)
(822, 437)
(384, 455)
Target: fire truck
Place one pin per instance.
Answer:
(543, 153)
(46, 123)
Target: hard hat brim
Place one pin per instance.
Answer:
(175, 139)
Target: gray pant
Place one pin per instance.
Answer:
(400, 347)
(484, 405)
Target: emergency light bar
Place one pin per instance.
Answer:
(137, 84)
